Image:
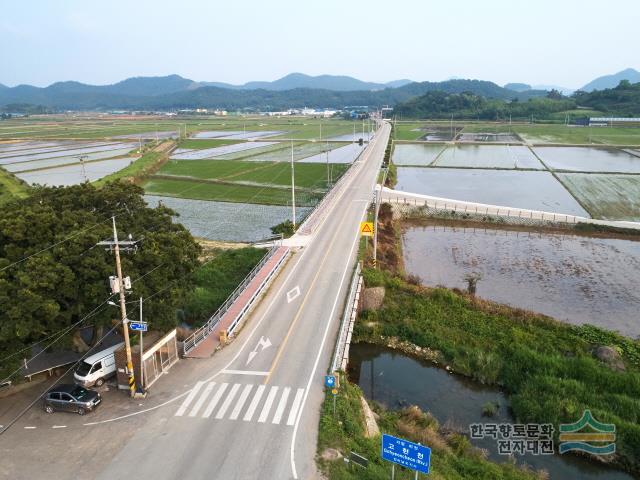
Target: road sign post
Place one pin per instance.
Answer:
(138, 326)
(329, 381)
(405, 453)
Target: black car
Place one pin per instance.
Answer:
(71, 398)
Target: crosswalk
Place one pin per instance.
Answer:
(262, 404)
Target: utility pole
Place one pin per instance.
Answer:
(141, 362)
(82, 158)
(115, 246)
(375, 220)
(320, 130)
(328, 174)
(293, 189)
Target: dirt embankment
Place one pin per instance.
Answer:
(389, 242)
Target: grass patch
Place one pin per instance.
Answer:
(217, 279)
(581, 135)
(147, 164)
(223, 192)
(11, 187)
(606, 196)
(547, 367)
(307, 175)
(452, 455)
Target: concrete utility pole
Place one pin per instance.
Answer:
(123, 311)
(115, 246)
(82, 158)
(328, 174)
(375, 221)
(141, 362)
(293, 190)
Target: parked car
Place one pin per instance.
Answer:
(94, 370)
(71, 398)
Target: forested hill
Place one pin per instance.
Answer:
(173, 92)
(624, 100)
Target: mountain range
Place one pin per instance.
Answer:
(611, 81)
(295, 90)
(338, 83)
(291, 91)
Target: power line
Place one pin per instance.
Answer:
(26, 409)
(66, 330)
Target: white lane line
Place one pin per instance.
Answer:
(283, 403)
(243, 398)
(267, 405)
(59, 426)
(29, 428)
(254, 403)
(189, 399)
(214, 401)
(293, 294)
(245, 372)
(295, 406)
(227, 401)
(196, 408)
(315, 365)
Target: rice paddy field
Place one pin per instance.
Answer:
(59, 163)
(598, 182)
(516, 133)
(229, 179)
(229, 222)
(152, 127)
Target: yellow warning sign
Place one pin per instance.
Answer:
(366, 229)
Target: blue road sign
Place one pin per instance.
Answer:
(329, 381)
(138, 326)
(406, 453)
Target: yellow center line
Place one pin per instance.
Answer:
(304, 301)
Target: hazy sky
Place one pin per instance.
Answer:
(562, 42)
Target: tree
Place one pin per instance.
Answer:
(64, 276)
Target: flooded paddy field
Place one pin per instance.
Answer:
(488, 156)
(60, 161)
(341, 154)
(437, 133)
(237, 134)
(606, 196)
(198, 154)
(229, 222)
(65, 150)
(488, 137)
(397, 381)
(576, 279)
(416, 154)
(515, 189)
(150, 135)
(588, 159)
(73, 174)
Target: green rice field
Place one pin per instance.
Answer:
(606, 196)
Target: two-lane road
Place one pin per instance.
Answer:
(256, 414)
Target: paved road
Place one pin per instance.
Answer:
(254, 413)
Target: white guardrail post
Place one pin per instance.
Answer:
(346, 324)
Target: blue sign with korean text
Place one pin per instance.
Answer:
(138, 326)
(329, 381)
(406, 453)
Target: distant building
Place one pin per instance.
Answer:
(610, 121)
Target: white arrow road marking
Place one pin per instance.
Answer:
(293, 294)
(262, 344)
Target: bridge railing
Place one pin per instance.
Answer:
(203, 332)
(341, 350)
(462, 208)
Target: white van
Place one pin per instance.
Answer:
(94, 370)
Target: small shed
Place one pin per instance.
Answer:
(159, 353)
